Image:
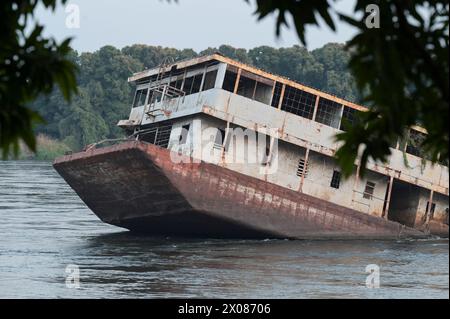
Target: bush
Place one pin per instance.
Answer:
(47, 149)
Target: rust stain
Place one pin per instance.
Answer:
(204, 196)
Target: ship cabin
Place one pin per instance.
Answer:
(177, 102)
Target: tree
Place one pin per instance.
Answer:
(30, 65)
(401, 71)
(103, 98)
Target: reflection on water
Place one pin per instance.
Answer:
(45, 227)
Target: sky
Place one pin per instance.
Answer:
(196, 24)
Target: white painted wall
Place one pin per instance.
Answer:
(316, 183)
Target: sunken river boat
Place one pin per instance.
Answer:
(217, 148)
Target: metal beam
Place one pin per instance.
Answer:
(428, 211)
(283, 88)
(388, 199)
(236, 84)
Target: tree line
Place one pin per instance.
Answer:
(104, 96)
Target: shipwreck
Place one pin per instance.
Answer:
(217, 148)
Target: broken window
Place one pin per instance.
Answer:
(263, 149)
(414, 144)
(163, 136)
(432, 209)
(197, 83)
(140, 97)
(157, 135)
(255, 87)
(328, 112)
(150, 97)
(336, 179)
(263, 90)
(302, 168)
(220, 137)
(298, 102)
(192, 84)
(149, 136)
(187, 86)
(349, 117)
(154, 97)
(230, 79)
(369, 190)
(247, 85)
(177, 82)
(184, 134)
(210, 80)
(276, 94)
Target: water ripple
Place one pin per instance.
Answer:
(46, 227)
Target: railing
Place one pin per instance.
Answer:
(95, 145)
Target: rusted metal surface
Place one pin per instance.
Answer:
(137, 186)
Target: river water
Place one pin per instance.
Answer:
(45, 227)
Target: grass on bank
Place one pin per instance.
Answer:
(47, 149)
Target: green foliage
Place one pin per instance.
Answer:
(401, 68)
(105, 97)
(47, 149)
(30, 65)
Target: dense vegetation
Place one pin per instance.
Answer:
(47, 149)
(104, 95)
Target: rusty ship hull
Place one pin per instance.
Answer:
(135, 185)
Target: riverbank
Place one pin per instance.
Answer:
(47, 149)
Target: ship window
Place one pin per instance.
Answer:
(196, 84)
(210, 80)
(263, 149)
(276, 94)
(150, 97)
(263, 91)
(336, 179)
(431, 212)
(415, 142)
(140, 97)
(349, 117)
(368, 191)
(247, 86)
(184, 134)
(220, 137)
(328, 112)
(149, 136)
(298, 102)
(188, 85)
(177, 83)
(229, 81)
(157, 135)
(302, 169)
(154, 97)
(192, 84)
(163, 136)
(255, 87)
